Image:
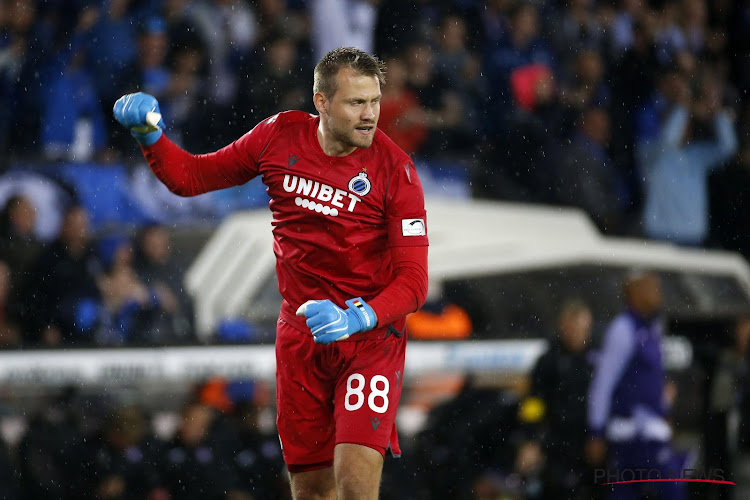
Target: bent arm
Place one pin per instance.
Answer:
(186, 174)
(408, 290)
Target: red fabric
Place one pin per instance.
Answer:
(524, 81)
(392, 111)
(329, 238)
(319, 406)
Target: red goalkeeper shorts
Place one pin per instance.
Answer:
(344, 392)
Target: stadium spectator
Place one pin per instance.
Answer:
(50, 453)
(632, 78)
(522, 45)
(188, 89)
(58, 302)
(400, 112)
(586, 85)
(19, 246)
(182, 29)
(522, 164)
(461, 68)
(627, 404)
(470, 438)
(726, 401)
(587, 176)
(400, 23)
(684, 27)
(109, 34)
(154, 261)
(121, 461)
(443, 108)
(574, 28)
(697, 137)
(274, 83)
(133, 310)
(257, 455)
(277, 16)
(28, 49)
(629, 13)
(193, 467)
(559, 384)
(73, 124)
(354, 22)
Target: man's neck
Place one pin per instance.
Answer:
(329, 146)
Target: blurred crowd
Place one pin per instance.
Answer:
(623, 108)
(88, 446)
(111, 290)
(635, 111)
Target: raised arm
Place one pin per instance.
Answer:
(183, 173)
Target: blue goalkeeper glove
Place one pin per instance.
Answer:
(329, 323)
(140, 113)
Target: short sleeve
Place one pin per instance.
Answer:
(405, 213)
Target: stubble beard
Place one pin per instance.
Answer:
(350, 137)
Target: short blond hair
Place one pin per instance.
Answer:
(362, 63)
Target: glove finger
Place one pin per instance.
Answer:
(325, 339)
(330, 337)
(117, 109)
(145, 105)
(338, 327)
(302, 310)
(322, 321)
(130, 112)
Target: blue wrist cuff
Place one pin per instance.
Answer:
(364, 314)
(146, 139)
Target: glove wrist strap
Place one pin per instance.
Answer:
(146, 139)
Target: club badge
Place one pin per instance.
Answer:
(360, 184)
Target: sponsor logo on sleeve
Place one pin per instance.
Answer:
(413, 227)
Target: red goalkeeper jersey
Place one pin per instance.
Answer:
(350, 226)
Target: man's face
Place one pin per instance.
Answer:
(350, 116)
(575, 328)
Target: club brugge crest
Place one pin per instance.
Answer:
(360, 184)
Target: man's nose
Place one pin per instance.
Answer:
(368, 113)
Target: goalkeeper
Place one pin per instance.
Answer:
(350, 239)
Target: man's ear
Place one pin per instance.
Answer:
(321, 103)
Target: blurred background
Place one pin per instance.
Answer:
(560, 143)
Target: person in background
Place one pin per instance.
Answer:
(154, 262)
(627, 405)
(401, 114)
(58, 299)
(559, 385)
(132, 308)
(588, 177)
(257, 454)
(121, 461)
(696, 137)
(19, 245)
(195, 467)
